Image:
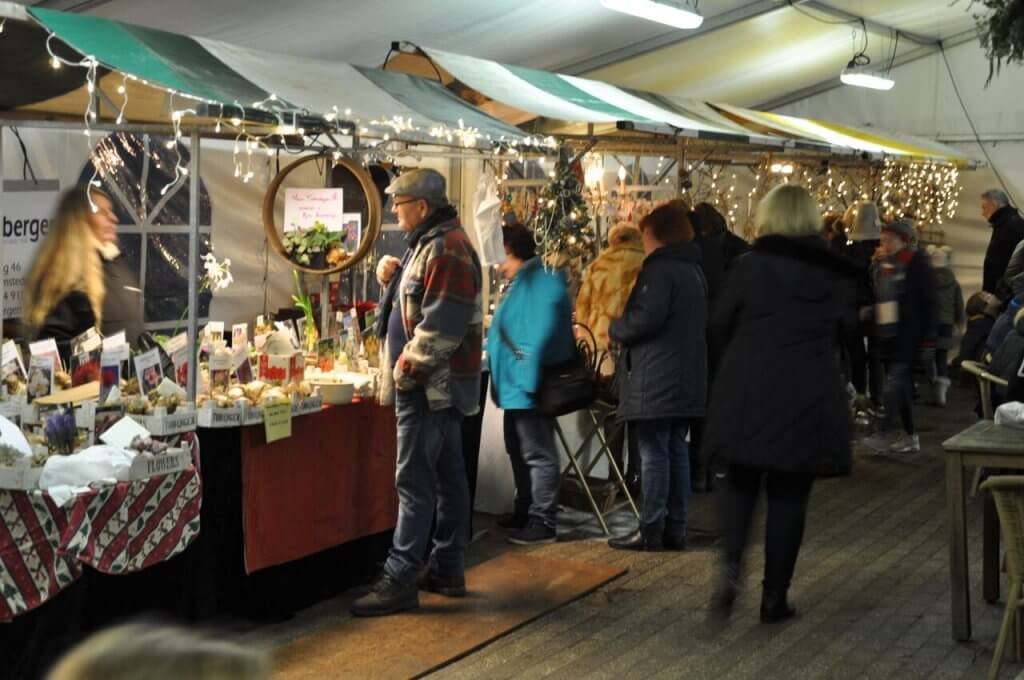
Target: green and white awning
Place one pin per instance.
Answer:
(271, 89)
(581, 100)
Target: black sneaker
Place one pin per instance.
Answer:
(513, 520)
(449, 586)
(387, 596)
(534, 533)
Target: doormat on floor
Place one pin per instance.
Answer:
(504, 594)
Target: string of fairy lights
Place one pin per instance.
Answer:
(926, 191)
(247, 143)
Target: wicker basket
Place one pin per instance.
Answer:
(605, 493)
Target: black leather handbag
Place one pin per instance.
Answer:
(564, 387)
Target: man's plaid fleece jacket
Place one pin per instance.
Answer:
(442, 311)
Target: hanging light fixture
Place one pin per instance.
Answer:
(668, 12)
(860, 73)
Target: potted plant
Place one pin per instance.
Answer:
(311, 247)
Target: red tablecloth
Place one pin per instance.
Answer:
(331, 482)
(115, 529)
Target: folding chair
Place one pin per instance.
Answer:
(597, 412)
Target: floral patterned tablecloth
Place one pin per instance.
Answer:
(114, 528)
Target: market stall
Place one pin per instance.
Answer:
(293, 495)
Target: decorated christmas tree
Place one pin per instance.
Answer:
(562, 225)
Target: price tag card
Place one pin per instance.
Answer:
(149, 369)
(239, 334)
(11, 360)
(277, 421)
(176, 344)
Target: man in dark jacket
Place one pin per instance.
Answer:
(1007, 232)
(719, 248)
(663, 372)
(905, 320)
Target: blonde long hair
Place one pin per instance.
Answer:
(140, 651)
(788, 210)
(67, 261)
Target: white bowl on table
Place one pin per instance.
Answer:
(336, 393)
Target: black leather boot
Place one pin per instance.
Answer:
(774, 607)
(722, 600)
(648, 537)
(674, 537)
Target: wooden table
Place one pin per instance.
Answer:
(987, 445)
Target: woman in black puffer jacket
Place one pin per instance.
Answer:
(778, 413)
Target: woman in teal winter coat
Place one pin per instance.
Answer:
(532, 328)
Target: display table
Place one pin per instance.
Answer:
(115, 529)
(338, 467)
(331, 482)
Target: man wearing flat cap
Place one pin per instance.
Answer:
(431, 321)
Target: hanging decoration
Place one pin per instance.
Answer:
(1001, 33)
(562, 225)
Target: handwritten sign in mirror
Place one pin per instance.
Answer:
(305, 207)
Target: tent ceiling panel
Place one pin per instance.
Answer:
(781, 51)
(755, 60)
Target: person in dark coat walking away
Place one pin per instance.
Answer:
(863, 230)
(662, 372)
(778, 412)
(905, 314)
(949, 316)
(1007, 233)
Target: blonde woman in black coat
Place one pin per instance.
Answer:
(778, 413)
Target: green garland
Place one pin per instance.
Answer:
(1002, 33)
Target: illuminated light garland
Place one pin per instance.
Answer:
(180, 171)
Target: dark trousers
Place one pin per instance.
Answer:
(530, 442)
(899, 397)
(666, 474)
(865, 360)
(788, 494)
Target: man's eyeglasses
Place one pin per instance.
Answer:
(411, 200)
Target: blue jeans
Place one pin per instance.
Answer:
(530, 442)
(430, 475)
(899, 398)
(665, 473)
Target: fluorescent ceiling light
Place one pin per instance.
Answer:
(859, 76)
(663, 12)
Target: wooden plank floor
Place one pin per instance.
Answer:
(872, 587)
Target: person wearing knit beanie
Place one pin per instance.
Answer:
(905, 321)
(858, 243)
(862, 222)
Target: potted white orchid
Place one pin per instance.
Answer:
(217, 276)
